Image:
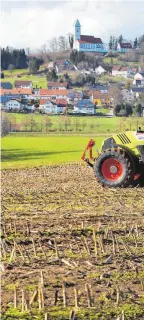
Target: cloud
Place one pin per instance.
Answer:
(33, 23)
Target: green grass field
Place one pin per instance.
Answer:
(83, 124)
(19, 151)
(39, 81)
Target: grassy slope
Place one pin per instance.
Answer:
(34, 151)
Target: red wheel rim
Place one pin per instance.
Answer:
(112, 169)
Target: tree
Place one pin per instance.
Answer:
(139, 110)
(48, 124)
(5, 124)
(128, 85)
(62, 43)
(51, 76)
(2, 75)
(33, 66)
(117, 109)
(110, 43)
(116, 95)
(71, 40)
(135, 43)
(11, 68)
(120, 39)
(53, 44)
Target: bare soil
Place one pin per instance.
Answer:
(80, 243)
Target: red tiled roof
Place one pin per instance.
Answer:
(43, 101)
(90, 39)
(124, 68)
(98, 95)
(54, 92)
(57, 84)
(61, 101)
(116, 68)
(16, 91)
(22, 82)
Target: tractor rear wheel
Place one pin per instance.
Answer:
(114, 168)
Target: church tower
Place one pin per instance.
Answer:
(77, 30)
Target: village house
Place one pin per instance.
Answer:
(101, 99)
(137, 91)
(23, 84)
(85, 106)
(139, 79)
(115, 70)
(14, 93)
(48, 107)
(98, 87)
(124, 45)
(57, 85)
(13, 105)
(121, 71)
(54, 94)
(64, 65)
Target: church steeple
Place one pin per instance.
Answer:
(77, 30)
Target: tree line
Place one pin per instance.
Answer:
(13, 57)
(113, 41)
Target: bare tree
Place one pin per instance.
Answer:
(53, 44)
(5, 124)
(116, 95)
(62, 43)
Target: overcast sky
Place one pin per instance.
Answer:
(34, 23)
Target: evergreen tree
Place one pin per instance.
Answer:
(135, 43)
(110, 43)
(120, 40)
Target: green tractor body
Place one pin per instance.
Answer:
(120, 162)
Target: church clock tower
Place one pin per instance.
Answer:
(77, 30)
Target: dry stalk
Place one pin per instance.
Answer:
(15, 297)
(95, 243)
(113, 240)
(72, 315)
(118, 295)
(34, 297)
(64, 295)
(76, 297)
(34, 248)
(88, 295)
(56, 297)
(23, 301)
(56, 248)
(12, 256)
(101, 244)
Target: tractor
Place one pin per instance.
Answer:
(120, 163)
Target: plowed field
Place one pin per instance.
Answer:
(71, 249)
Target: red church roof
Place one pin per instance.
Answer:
(89, 39)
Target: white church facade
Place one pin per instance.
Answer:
(86, 43)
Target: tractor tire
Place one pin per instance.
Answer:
(114, 168)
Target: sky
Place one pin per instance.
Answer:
(33, 23)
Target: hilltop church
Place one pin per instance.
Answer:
(86, 43)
